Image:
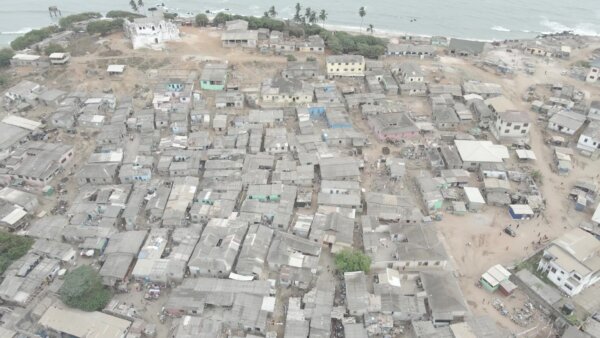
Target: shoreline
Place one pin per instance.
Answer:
(380, 33)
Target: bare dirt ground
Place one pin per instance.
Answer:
(475, 242)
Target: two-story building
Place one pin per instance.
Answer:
(345, 65)
(572, 261)
(594, 72)
(511, 125)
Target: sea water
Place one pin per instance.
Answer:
(472, 19)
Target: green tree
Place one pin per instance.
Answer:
(53, 48)
(6, 55)
(272, 12)
(362, 12)
(370, 28)
(221, 18)
(323, 17)
(202, 20)
(352, 260)
(140, 3)
(312, 18)
(12, 247)
(307, 12)
(83, 290)
(297, 16)
(133, 5)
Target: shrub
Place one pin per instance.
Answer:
(123, 15)
(170, 16)
(68, 21)
(290, 57)
(33, 37)
(104, 27)
(54, 48)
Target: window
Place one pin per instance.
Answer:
(506, 131)
(553, 270)
(508, 124)
(568, 286)
(517, 127)
(585, 140)
(525, 125)
(576, 276)
(523, 131)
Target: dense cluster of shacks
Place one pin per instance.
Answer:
(229, 195)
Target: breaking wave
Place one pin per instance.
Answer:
(20, 31)
(500, 29)
(584, 28)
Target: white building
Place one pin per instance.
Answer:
(594, 112)
(572, 261)
(566, 122)
(150, 32)
(594, 72)
(511, 125)
(589, 140)
(345, 65)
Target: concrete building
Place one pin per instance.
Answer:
(446, 302)
(593, 74)
(572, 261)
(566, 122)
(393, 127)
(345, 66)
(239, 38)
(410, 50)
(214, 76)
(461, 47)
(356, 293)
(589, 140)
(475, 153)
(37, 163)
(511, 126)
(301, 70)
(65, 322)
(150, 32)
(218, 248)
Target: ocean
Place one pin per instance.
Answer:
(471, 19)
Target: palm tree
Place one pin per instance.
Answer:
(140, 3)
(265, 14)
(362, 12)
(370, 28)
(323, 16)
(312, 18)
(133, 5)
(297, 16)
(272, 12)
(306, 16)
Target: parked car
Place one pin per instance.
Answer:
(510, 231)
